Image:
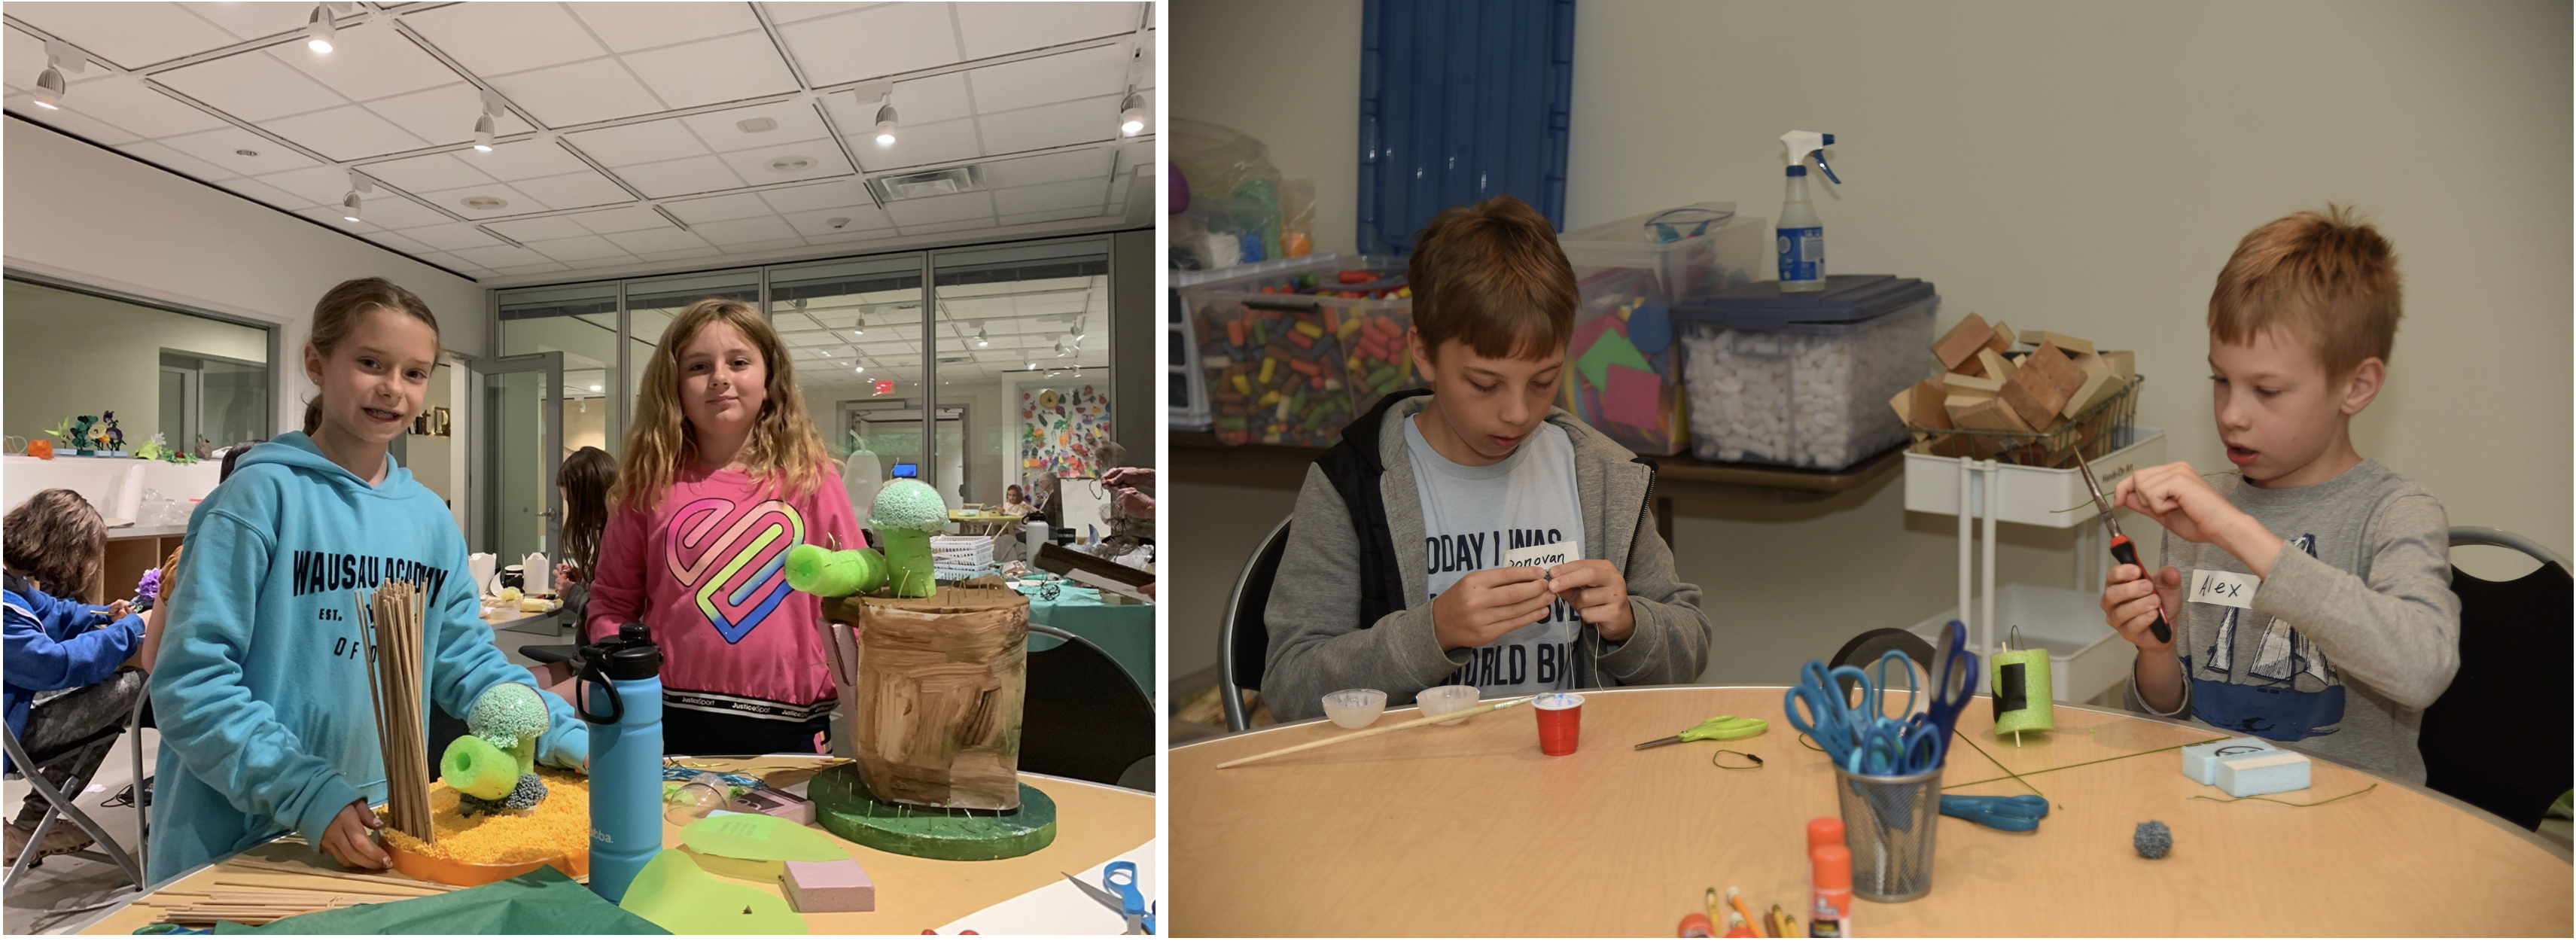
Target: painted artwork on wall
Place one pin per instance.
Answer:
(1062, 432)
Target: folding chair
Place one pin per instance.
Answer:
(59, 806)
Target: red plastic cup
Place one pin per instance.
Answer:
(1560, 722)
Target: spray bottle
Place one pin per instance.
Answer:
(1801, 234)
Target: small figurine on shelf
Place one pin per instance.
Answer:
(159, 449)
(40, 449)
(115, 437)
(205, 449)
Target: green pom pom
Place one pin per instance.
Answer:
(507, 712)
(477, 769)
(823, 573)
(909, 505)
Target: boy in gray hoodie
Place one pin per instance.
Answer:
(1394, 574)
(2309, 590)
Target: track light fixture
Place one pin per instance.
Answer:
(49, 86)
(982, 337)
(320, 30)
(349, 205)
(483, 123)
(1131, 115)
(885, 125)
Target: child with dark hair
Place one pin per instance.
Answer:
(65, 694)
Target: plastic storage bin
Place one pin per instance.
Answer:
(1291, 355)
(1626, 382)
(1803, 379)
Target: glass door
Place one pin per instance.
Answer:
(522, 445)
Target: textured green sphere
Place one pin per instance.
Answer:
(507, 713)
(910, 505)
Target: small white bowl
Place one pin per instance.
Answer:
(1354, 708)
(1442, 700)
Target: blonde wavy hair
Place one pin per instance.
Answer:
(784, 451)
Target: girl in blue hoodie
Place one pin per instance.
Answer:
(261, 686)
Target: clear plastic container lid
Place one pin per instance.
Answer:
(1761, 305)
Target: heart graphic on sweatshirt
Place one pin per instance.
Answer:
(732, 561)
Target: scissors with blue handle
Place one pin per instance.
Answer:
(1954, 680)
(1127, 900)
(1828, 716)
(2019, 813)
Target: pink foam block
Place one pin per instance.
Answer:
(835, 886)
(1633, 398)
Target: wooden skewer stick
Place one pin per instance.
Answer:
(369, 889)
(1364, 733)
(267, 866)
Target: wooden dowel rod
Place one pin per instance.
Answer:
(371, 889)
(262, 864)
(1364, 733)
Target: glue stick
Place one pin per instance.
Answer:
(1830, 915)
(1824, 831)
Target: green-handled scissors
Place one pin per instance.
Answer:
(1720, 728)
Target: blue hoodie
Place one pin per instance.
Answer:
(50, 644)
(261, 690)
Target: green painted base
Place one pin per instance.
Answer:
(843, 805)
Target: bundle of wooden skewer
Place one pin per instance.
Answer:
(257, 898)
(390, 620)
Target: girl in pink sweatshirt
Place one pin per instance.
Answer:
(722, 474)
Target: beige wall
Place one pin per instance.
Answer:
(78, 354)
(1288, 74)
(2080, 168)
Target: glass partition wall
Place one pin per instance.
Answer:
(971, 369)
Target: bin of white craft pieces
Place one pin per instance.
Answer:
(1803, 379)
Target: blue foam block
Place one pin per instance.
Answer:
(2268, 772)
(2200, 762)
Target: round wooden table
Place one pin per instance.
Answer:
(1468, 830)
(1093, 824)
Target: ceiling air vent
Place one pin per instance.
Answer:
(484, 203)
(924, 185)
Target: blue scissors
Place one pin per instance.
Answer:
(1954, 680)
(1128, 902)
(1828, 716)
(2019, 813)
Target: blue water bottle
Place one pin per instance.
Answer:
(625, 671)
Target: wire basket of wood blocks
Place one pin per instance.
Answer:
(2047, 407)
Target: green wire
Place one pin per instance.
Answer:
(2010, 776)
(2230, 800)
(1972, 743)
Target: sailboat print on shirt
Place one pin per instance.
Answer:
(2285, 653)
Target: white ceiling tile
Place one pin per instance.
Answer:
(394, 212)
(1049, 168)
(344, 133)
(738, 231)
(447, 261)
(399, 242)
(18, 51)
(547, 268)
(444, 115)
(582, 248)
(451, 236)
(627, 27)
(836, 237)
(369, 61)
(1050, 79)
(625, 219)
(716, 70)
(993, 29)
(833, 195)
(817, 223)
(680, 177)
(254, 20)
(498, 256)
(252, 86)
(796, 12)
(323, 184)
(723, 131)
(926, 101)
(527, 159)
(131, 35)
(330, 216)
(500, 38)
(649, 142)
(822, 159)
(427, 173)
(129, 104)
(537, 230)
(579, 93)
(657, 240)
(1072, 122)
(938, 227)
(574, 190)
(1072, 194)
(912, 212)
(516, 202)
(682, 254)
(68, 120)
(1054, 216)
(916, 146)
(886, 40)
(697, 212)
(222, 147)
(602, 262)
(181, 163)
(265, 193)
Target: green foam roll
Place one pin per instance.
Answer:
(844, 805)
(2021, 692)
(823, 573)
(478, 768)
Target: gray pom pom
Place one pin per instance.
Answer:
(2154, 839)
(531, 789)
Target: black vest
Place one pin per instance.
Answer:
(1354, 467)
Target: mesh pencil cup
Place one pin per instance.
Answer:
(1889, 822)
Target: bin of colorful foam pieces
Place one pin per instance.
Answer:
(1800, 379)
(1627, 382)
(1292, 355)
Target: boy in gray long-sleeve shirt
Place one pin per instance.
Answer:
(2309, 592)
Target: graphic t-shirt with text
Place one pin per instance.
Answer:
(1472, 516)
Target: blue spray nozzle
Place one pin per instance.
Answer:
(1821, 165)
(1805, 144)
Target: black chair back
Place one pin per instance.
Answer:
(2513, 648)
(1863, 650)
(1244, 650)
(1084, 716)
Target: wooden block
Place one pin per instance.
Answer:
(2071, 345)
(2061, 369)
(1903, 404)
(1926, 405)
(1963, 384)
(1983, 414)
(2040, 390)
(1963, 341)
(1998, 368)
(2094, 393)
(2123, 363)
(835, 886)
(2003, 338)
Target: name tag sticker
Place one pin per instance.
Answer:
(1547, 557)
(2233, 589)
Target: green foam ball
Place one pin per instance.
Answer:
(477, 769)
(508, 711)
(909, 505)
(824, 573)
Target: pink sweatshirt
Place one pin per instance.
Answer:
(706, 570)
